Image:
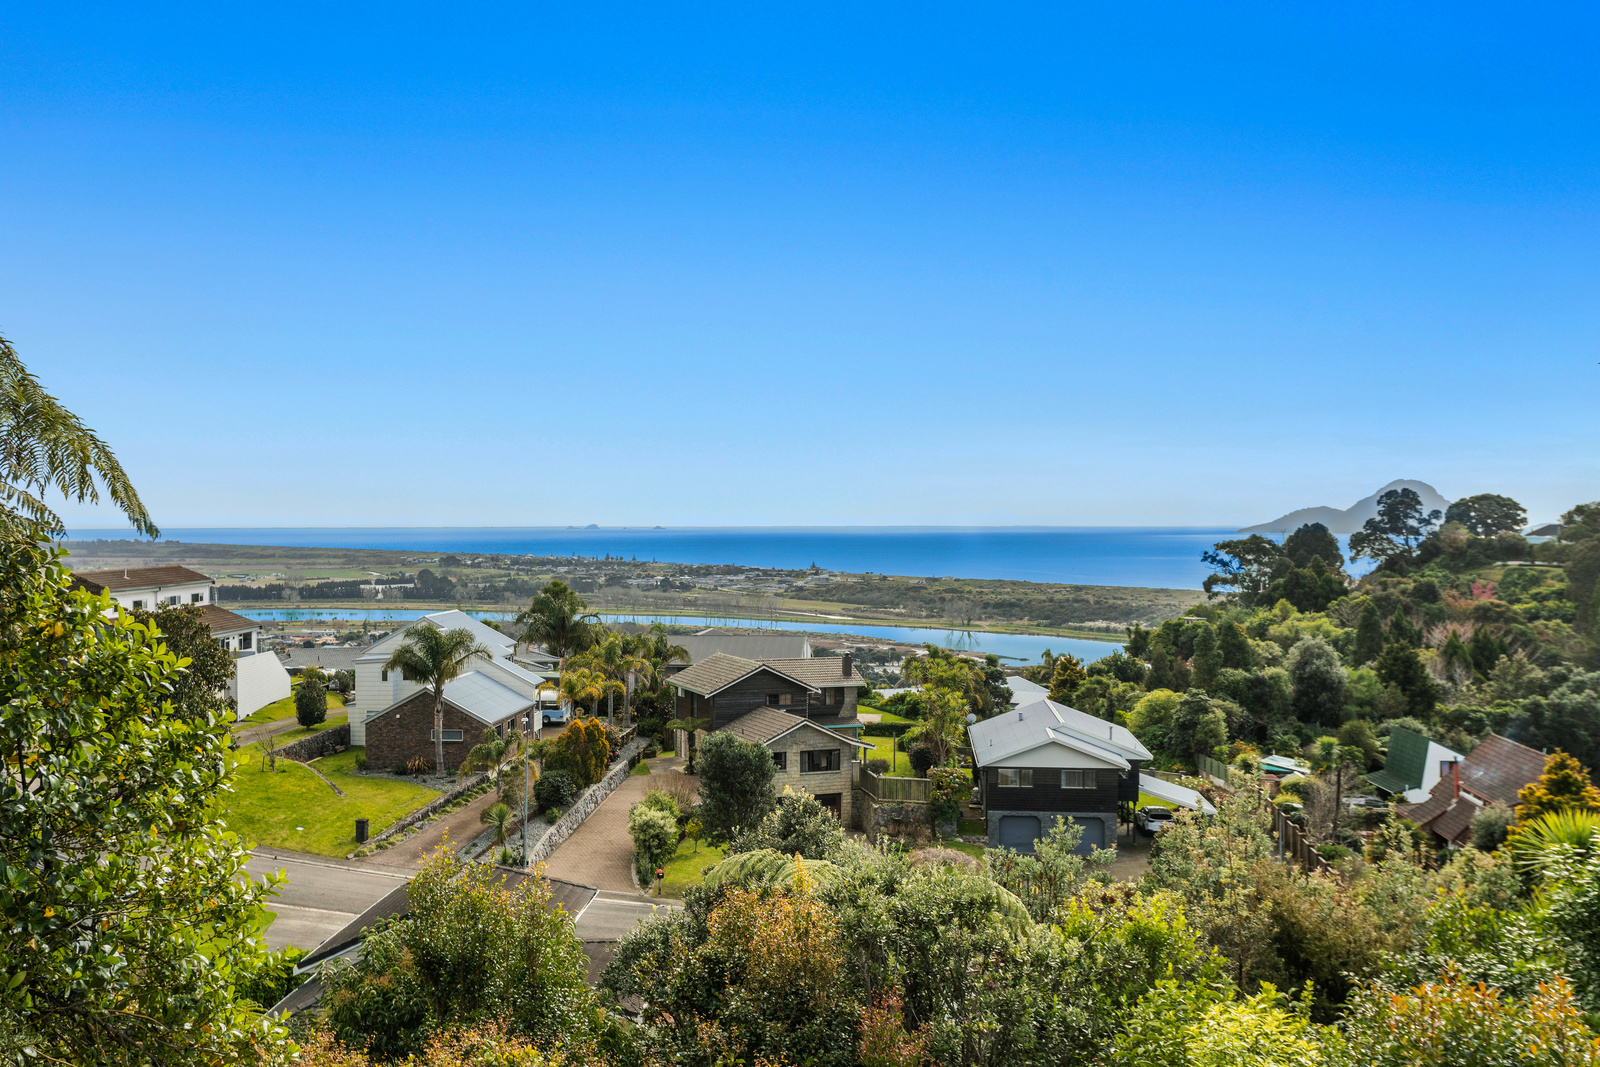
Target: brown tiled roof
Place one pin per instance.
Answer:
(818, 671)
(762, 725)
(120, 578)
(1499, 767)
(223, 621)
(1496, 770)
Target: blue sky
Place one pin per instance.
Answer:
(1060, 264)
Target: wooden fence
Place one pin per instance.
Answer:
(1216, 770)
(893, 790)
(1293, 843)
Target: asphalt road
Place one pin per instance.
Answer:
(320, 896)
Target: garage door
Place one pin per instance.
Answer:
(1019, 831)
(1094, 835)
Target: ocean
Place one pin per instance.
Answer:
(1159, 557)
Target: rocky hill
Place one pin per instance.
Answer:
(1348, 520)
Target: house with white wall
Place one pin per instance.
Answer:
(258, 680)
(378, 689)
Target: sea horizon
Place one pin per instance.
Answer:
(1162, 557)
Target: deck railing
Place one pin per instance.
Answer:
(897, 790)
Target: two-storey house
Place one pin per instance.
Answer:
(258, 680)
(378, 689)
(1041, 761)
(802, 710)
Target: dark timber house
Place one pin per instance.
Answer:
(1042, 761)
(802, 710)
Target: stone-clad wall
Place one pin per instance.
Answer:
(317, 745)
(584, 803)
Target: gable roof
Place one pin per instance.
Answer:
(1496, 770)
(820, 672)
(763, 726)
(1499, 767)
(1024, 691)
(1405, 765)
(488, 636)
(476, 694)
(715, 673)
(118, 579)
(1044, 722)
(328, 657)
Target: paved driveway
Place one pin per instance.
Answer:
(600, 852)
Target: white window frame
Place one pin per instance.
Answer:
(1020, 778)
(460, 735)
(1085, 779)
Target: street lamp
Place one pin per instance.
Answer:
(527, 784)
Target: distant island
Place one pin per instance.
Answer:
(1349, 520)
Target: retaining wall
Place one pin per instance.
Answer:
(324, 744)
(431, 809)
(584, 803)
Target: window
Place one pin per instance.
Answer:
(137, 604)
(449, 735)
(817, 760)
(385, 676)
(1077, 780)
(195, 598)
(1016, 778)
(244, 640)
(173, 601)
(779, 700)
(780, 760)
(222, 642)
(827, 696)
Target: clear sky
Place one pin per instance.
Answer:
(1059, 264)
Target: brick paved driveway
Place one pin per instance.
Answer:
(600, 852)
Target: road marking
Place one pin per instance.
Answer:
(330, 866)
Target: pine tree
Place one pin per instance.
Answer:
(1400, 666)
(1564, 786)
(1235, 647)
(1401, 629)
(1369, 636)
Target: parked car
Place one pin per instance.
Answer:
(1152, 818)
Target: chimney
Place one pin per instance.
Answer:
(845, 673)
(1455, 774)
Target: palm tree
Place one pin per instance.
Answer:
(498, 816)
(660, 651)
(583, 686)
(690, 727)
(44, 446)
(435, 658)
(558, 619)
(614, 658)
(491, 753)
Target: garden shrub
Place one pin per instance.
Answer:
(923, 759)
(554, 789)
(655, 836)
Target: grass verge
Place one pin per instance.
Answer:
(687, 867)
(642, 769)
(284, 709)
(883, 748)
(292, 808)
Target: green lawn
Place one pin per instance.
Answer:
(687, 867)
(888, 717)
(883, 748)
(284, 709)
(642, 769)
(975, 851)
(294, 809)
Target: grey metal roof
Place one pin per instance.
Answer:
(1024, 691)
(328, 657)
(485, 699)
(496, 641)
(746, 646)
(1044, 722)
